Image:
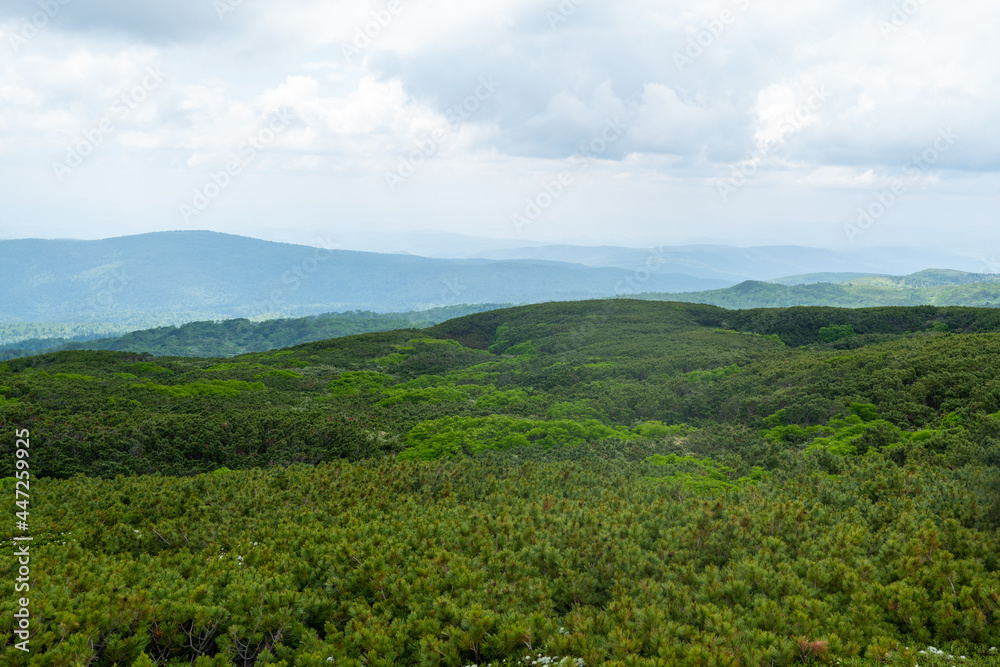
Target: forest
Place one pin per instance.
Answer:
(212, 338)
(616, 482)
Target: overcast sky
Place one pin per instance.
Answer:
(851, 123)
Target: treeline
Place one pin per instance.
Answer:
(801, 326)
(239, 336)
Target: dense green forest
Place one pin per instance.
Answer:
(932, 287)
(616, 482)
(221, 339)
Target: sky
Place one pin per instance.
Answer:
(842, 124)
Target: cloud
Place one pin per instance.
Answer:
(371, 80)
(148, 22)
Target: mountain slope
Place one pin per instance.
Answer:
(934, 288)
(616, 482)
(191, 276)
(739, 264)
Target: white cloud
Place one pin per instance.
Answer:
(890, 92)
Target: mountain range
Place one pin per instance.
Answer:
(931, 287)
(175, 277)
(167, 278)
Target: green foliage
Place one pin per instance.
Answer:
(500, 339)
(280, 373)
(657, 430)
(527, 348)
(148, 368)
(355, 383)
(713, 374)
(502, 559)
(835, 332)
(580, 410)
(504, 400)
(619, 484)
(451, 436)
(424, 395)
(866, 411)
(203, 388)
(701, 475)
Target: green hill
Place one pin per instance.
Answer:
(230, 337)
(925, 278)
(614, 482)
(937, 287)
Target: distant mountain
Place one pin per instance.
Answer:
(925, 278)
(704, 260)
(933, 287)
(738, 264)
(187, 276)
(812, 278)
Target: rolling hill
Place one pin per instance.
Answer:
(740, 264)
(616, 482)
(935, 287)
(237, 336)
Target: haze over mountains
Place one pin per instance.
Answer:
(175, 277)
(932, 287)
(187, 276)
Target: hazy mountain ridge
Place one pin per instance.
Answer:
(206, 275)
(933, 287)
(171, 278)
(768, 263)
